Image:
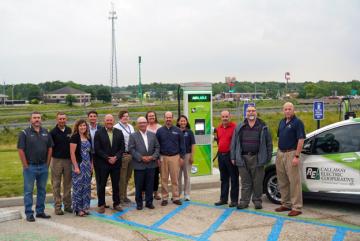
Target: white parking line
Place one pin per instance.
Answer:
(71, 230)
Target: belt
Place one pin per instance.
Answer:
(288, 150)
(168, 154)
(249, 153)
(224, 153)
(126, 152)
(36, 163)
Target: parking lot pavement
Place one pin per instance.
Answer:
(198, 219)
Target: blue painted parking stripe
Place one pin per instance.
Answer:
(134, 224)
(169, 215)
(357, 230)
(339, 234)
(276, 230)
(220, 220)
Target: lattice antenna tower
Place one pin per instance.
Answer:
(113, 65)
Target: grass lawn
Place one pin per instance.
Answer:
(11, 177)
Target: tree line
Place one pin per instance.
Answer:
(160, 91)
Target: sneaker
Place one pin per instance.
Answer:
(187, 198)
(258, 205)
(59, 212)
(127, 200)
(30, 218)
(164, 202)
(43, 215)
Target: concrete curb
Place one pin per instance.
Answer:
(197, 183)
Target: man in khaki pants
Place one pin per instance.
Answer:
(61, 164)
(126, 168)
(172, 153)
(291, 139)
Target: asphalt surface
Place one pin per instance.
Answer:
(198, 219)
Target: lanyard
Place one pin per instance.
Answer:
(128, 130)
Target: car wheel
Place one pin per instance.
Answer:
(271, 188)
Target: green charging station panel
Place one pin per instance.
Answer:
(198, 108)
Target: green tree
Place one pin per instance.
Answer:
(104, 94)
(70, 99)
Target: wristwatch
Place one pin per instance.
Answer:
(297, 156)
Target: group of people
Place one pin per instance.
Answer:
(245, 149)
(114, 150)
(117, 150)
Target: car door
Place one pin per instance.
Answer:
(331, 160)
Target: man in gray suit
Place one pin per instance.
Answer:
(145, 151)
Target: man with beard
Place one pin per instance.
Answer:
(251, 149)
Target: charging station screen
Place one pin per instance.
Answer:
(199, 97)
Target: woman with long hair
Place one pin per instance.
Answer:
(80, 153)
(153, 126)
(185, 170)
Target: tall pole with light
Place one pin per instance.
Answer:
(140, 94)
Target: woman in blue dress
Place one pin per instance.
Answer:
(80, 152)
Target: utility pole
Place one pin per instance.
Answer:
(113, 66)
(140, 94)
(4, 93)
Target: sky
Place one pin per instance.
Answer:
(179, 41)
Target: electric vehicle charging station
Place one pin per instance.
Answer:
(197, 102)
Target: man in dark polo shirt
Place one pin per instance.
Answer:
(35, 148)
(61, 167)
(291, 139)
(172, 153)
(251, 149)
(227, 170)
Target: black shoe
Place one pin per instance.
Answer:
(258, 205)
(177, 202)
(221, 202)
(232, 204)
(242, 206)
(150, 206)
(164, 202)
(107, 206)
(30, 218)
(139, 207)
(69, 210)
(42, 215)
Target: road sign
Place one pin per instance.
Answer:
(318, 110)
(246, 105)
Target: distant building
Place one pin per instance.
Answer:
(243, 96)
(3, 98)
(59, 96)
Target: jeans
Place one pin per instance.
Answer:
(38, 173)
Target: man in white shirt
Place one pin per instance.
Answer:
(126, 170)
(144, 149)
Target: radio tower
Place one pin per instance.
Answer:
(113, 68)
